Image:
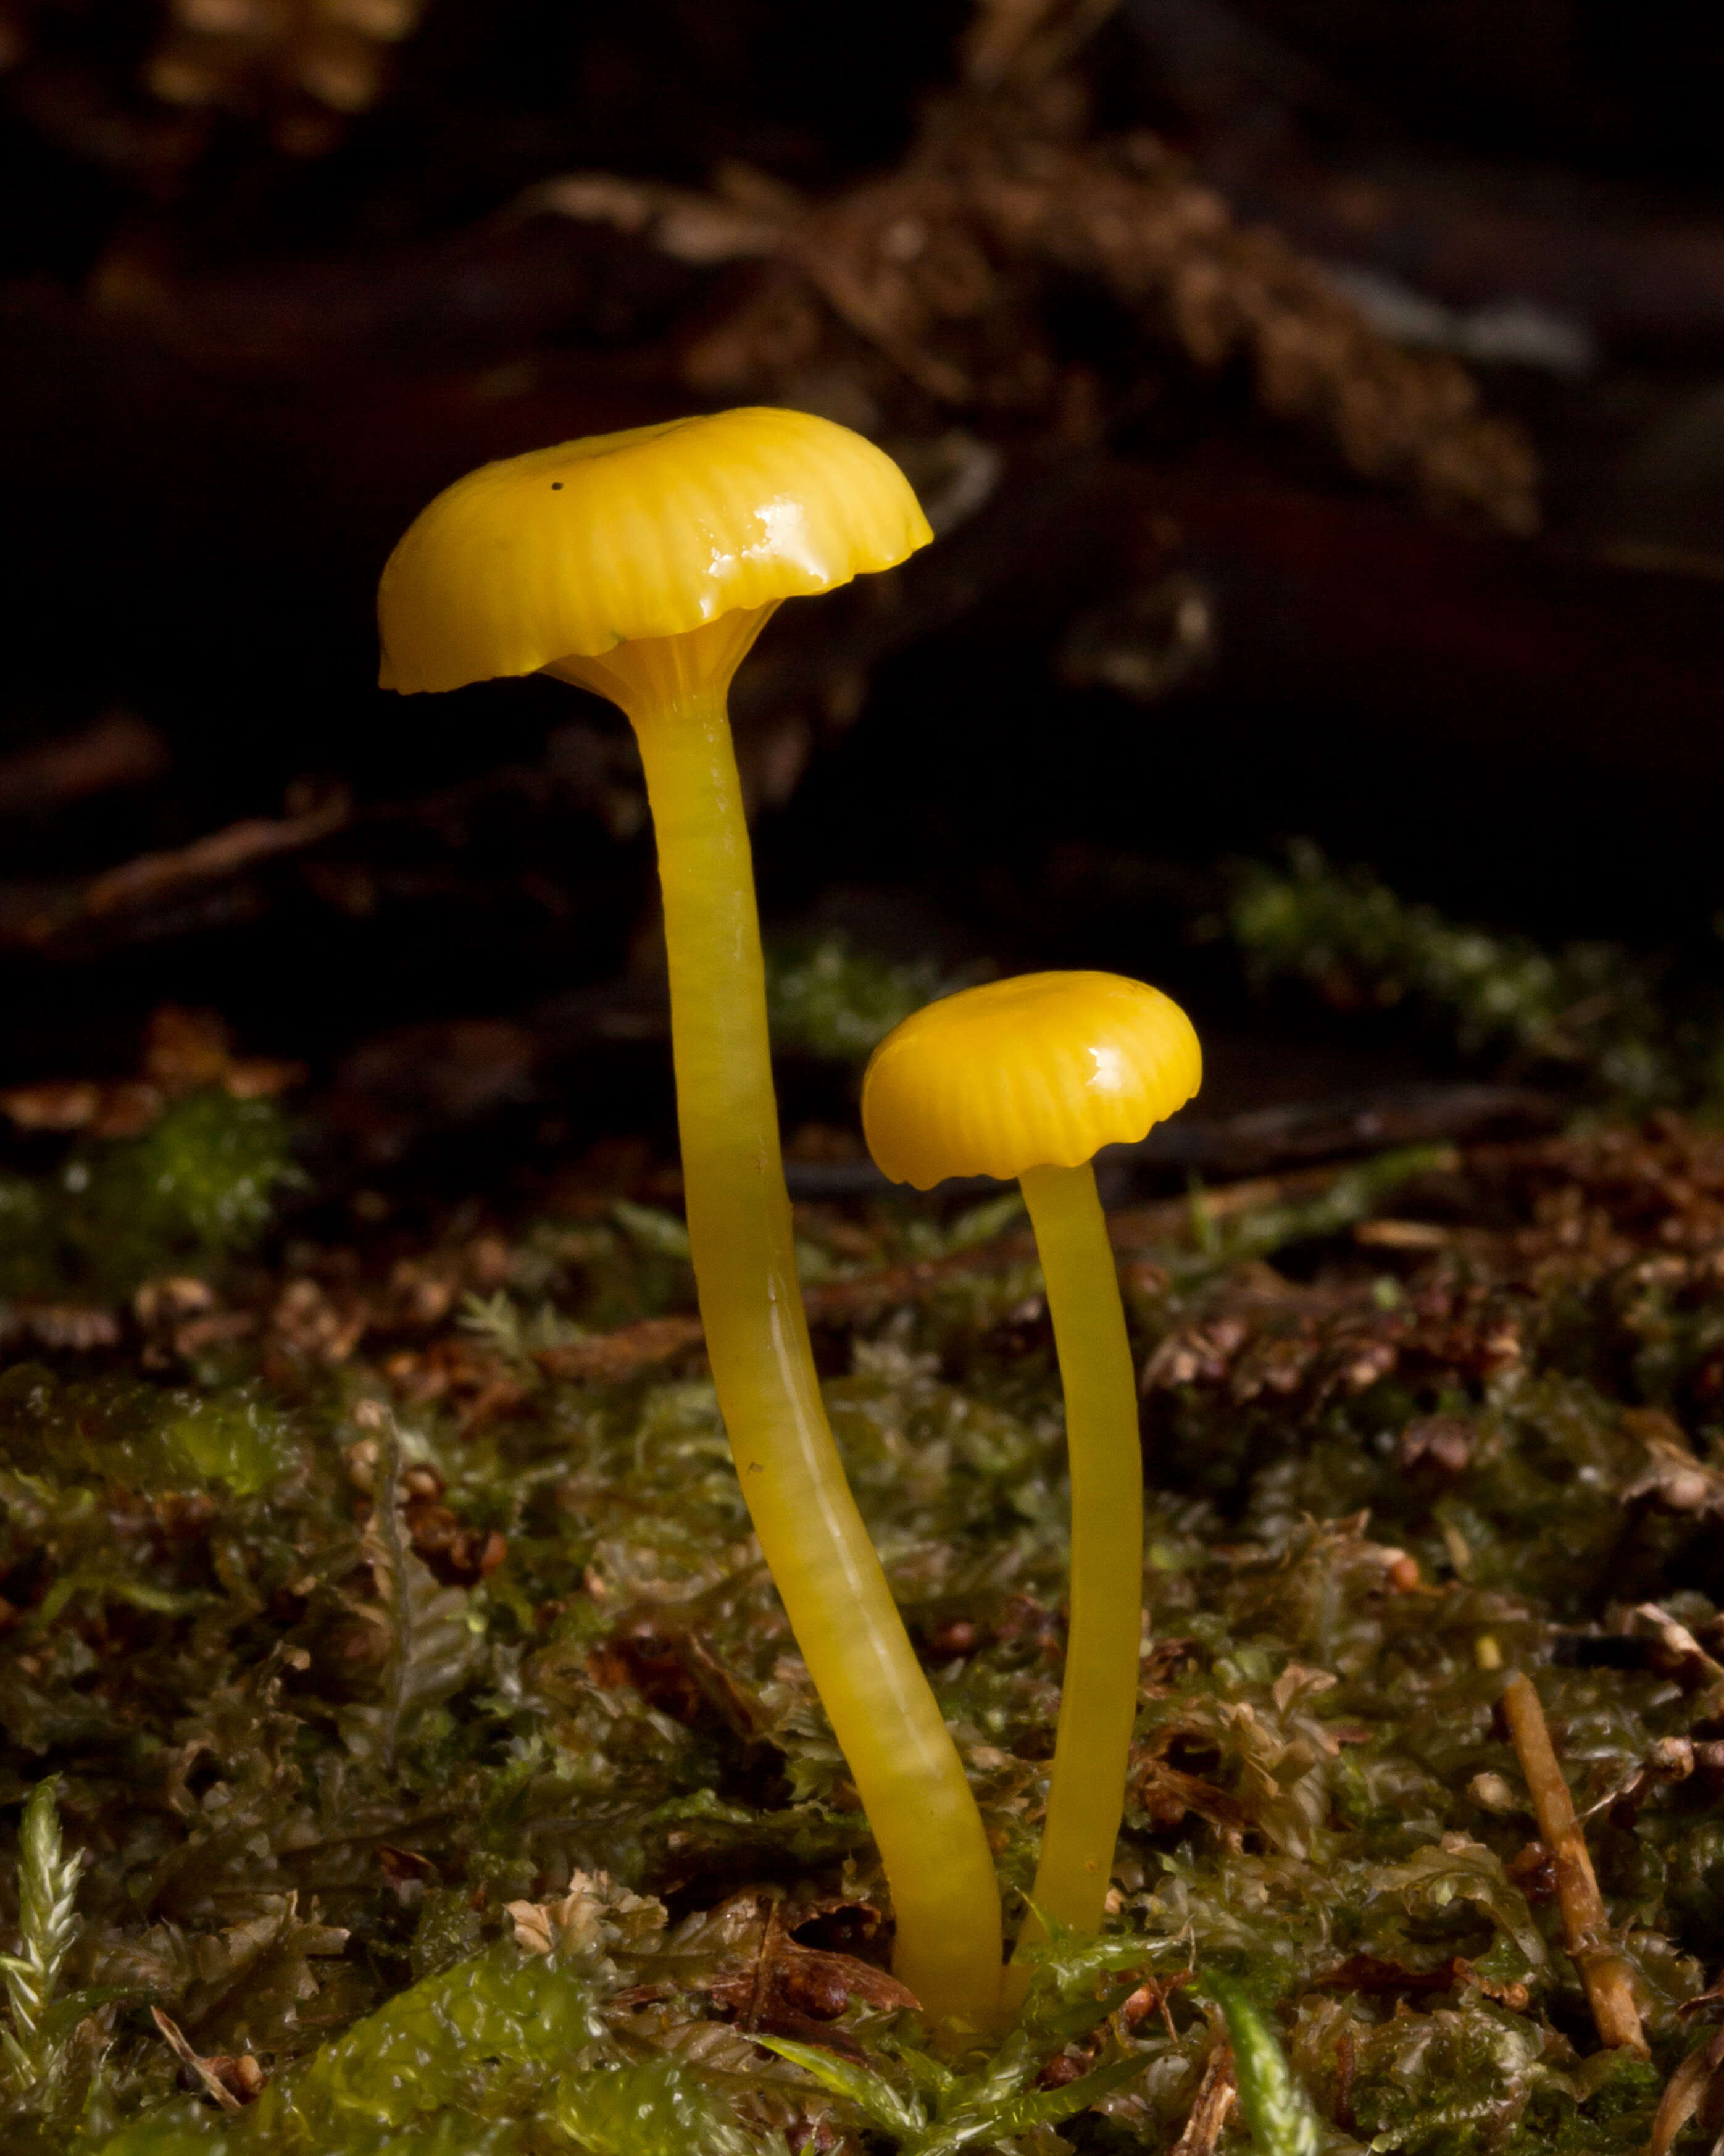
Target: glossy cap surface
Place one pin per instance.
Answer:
(1040, 1071)
(569, 552)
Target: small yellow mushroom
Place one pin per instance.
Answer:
(1030, 1078)
(643, 565)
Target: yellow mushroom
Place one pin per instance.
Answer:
(643, 565)
(1030, 1078)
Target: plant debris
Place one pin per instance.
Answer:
(934, 280)
(177, 1169)
(410, 1749)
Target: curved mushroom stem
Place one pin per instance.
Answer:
(1098, 1700)
(900, 1754)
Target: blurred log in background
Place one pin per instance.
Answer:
(1323, 408)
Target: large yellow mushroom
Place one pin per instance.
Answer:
(643, 565)
(1030, 1078)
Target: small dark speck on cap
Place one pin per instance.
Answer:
(556, 486)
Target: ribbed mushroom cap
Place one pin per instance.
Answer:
(569, 552)
(1040, 1071)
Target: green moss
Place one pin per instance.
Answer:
(309, 1763)
(828, 998)
(1589, 1008)
(195, 1189)
(1276, 2108)
(654, 2109)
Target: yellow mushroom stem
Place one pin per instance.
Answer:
(1098, 1700)
(902, 1757)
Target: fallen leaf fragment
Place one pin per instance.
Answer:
(232, 2081)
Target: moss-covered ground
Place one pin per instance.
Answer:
(430, 1767)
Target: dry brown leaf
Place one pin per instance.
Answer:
(1217, 2093)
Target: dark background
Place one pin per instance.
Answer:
(253, 312)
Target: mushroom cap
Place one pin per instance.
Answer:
(568, 552)
(1040, 1071)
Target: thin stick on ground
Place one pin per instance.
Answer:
(1217, 2092)
(1604, 1973)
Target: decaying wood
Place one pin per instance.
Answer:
(935, 268)
(1605, 1973)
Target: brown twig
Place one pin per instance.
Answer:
(939, 266)
(607, 1358)
(1585, 1927)
(220, 854)
(117, 751)
(1217, 2093)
